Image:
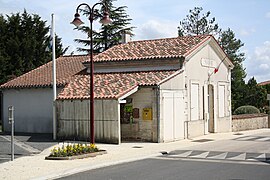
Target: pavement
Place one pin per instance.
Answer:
(36, 167)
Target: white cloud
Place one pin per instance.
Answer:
(264, 66)
(154, 29)
(258, 64)
(263, 52)
(247, 32)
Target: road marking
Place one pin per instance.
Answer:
(185, 154)
(261, 157)
(216, 155)
(220, 156)
(245, 138)
(202, 155)
(22, 145)
(263, 139)
(239, 157)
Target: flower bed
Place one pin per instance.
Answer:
(75, 151)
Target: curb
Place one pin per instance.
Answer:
(81, 156)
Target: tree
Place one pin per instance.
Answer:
(108, 35)
(232, 46)
(255, 95)
(3, 56)
(23, 41)
(197, 23)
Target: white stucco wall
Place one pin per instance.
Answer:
(196, 72)
(32, 109)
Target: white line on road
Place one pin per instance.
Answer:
(22, 145)
(219, 156)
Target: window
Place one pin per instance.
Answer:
(221, 102)
(194, 106)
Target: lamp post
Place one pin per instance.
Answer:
(77, 22)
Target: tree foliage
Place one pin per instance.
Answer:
(23, 43)
(197, 23)
(255, 95)
(232, 46)
(108, 35)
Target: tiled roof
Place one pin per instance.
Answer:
(264, 83)
(111, 85)
(67, 66)
(149, 49)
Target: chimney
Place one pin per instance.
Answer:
(126, 37)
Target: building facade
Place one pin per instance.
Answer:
(155, 90)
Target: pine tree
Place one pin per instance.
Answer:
(232, 46)
(108, 35)
(197, 23)
(3, 57)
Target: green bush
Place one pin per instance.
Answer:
(246, 110)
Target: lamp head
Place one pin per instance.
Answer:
(77, 21)
(105, 19)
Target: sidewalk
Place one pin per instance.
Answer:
(36, 167)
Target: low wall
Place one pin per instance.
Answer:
(249, 121)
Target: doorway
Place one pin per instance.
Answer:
(173, 115)
(211, 122)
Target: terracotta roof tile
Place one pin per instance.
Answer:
(42, 76)
(67, 66)
(111, 85)
(264, 83)
(150, 49)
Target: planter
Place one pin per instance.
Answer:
(81, 156)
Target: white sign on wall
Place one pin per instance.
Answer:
(208, 63)
(268, 97)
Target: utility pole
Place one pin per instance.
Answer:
(268, 98)
(54, 76)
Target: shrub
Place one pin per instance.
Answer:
(246, 110)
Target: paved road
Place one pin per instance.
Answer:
(5, 150)
(25, 145)
(169, 169)
(241, 157)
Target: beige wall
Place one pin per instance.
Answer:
(145, 130)
(249, 122)
(73, 120)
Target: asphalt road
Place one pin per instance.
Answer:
(5, 150)
(25, 145)
(241, 157)
(175, 169)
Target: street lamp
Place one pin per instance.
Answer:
(77, 22)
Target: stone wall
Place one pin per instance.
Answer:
(249, 121)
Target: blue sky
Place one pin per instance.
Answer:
(249, 19)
